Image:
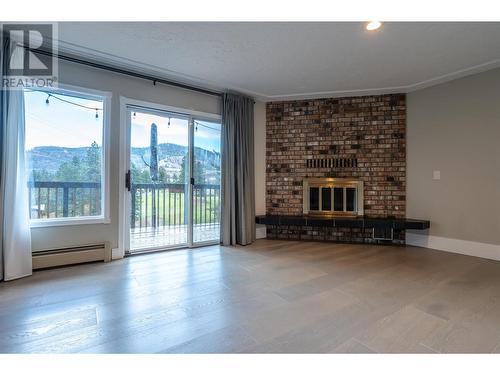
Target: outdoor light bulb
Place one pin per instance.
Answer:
(96, 114)
(47, 100)
(169, 122)
(373, 25)
(134, 114)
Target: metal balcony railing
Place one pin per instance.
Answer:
(53, 199)
(153, 205)
(162, 204)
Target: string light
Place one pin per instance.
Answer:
(205, 126)
(47, 102)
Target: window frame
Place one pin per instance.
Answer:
(104, 218)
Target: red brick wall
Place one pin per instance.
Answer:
(371, 129)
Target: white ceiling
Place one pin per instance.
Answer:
(274, 61)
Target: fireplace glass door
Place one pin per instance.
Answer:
(331, 197)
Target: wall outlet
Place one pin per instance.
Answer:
(436, 175)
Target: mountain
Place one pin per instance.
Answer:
(50, 158)
(170, 157)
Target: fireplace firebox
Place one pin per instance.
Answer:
(332, 197)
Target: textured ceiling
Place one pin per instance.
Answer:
(272, 61)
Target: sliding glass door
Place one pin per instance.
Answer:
(173, 180)
(206, 181)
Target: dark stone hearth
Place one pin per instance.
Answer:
(340, 229)
(344, 222)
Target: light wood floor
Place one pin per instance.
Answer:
(272, 296)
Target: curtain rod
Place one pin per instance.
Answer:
(131, 73)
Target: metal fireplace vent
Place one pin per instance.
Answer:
(332, 163)
(332, 197)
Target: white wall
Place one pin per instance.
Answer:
(260, 157)
(119, 85)
(455, 128)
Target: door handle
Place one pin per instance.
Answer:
(127, 180)
(192, 180)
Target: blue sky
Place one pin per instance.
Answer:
(206, 136)
(66, 125)
(61, 124)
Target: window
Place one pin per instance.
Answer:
(65, 156)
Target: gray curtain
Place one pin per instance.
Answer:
(238, 188)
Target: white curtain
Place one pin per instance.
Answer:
(15, 248)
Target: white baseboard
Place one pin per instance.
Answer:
(117, 254)
(452, 245)
(260, 231)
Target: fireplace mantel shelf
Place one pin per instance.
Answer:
(344, 222)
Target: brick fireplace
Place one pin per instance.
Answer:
(359, 138)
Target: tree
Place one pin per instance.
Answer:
(181, 179)
(93, 163)
(162, 175)
(70, 171)
(199, 176)
(198, 172)
(42, 175)
(139, 176)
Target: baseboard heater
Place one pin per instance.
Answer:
(72, 255)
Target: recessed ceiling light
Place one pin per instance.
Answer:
(373, 25)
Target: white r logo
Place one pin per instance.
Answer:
(35, 40)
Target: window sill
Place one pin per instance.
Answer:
(43, 223)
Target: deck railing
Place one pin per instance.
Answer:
(153, 205)
(162, 204)
(53, 199)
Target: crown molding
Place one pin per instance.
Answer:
(480, 68)
(106, 58)
(337, 94)
(125, 63)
